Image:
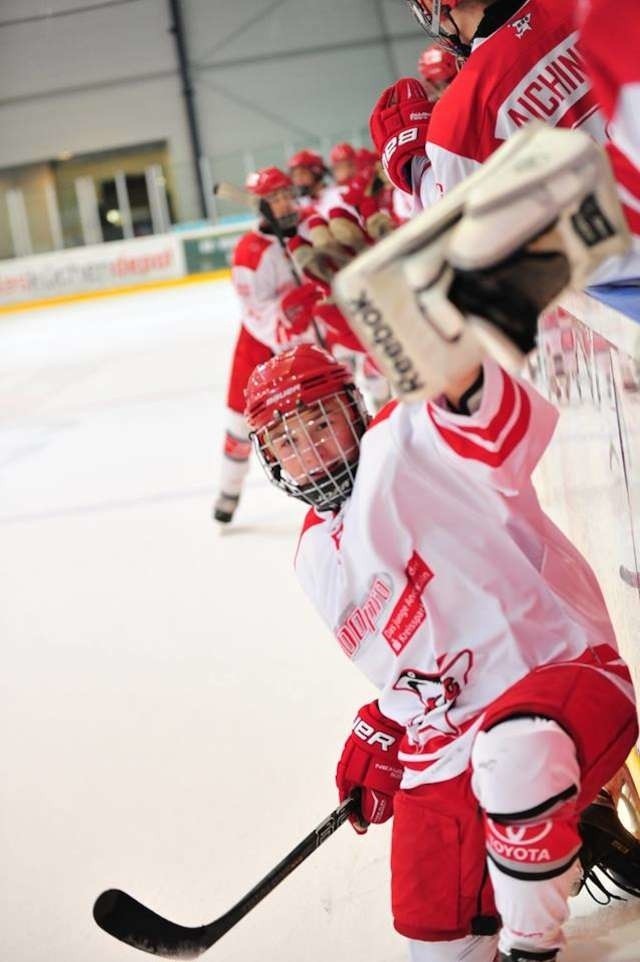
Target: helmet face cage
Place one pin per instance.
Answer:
(430, 23)
(303, 438)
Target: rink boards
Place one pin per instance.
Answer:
(588, 363)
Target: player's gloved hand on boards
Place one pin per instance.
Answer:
(348, 230)
(369, 194)
(312, 262)
(369, 762)
(297, 306)
(398, 124)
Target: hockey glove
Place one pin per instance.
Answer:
(297, 306)
(399, 123)
(369, 763)
(472, 272)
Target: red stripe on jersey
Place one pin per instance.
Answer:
(469, 449)
(383, 413)
(342, 212)
(500, 419)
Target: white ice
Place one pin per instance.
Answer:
(172, 708)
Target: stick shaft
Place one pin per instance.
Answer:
(290, 863)
(128, 920)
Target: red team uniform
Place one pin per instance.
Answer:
(261, 274)
(524, 65)
(428, 555)
(484, 631)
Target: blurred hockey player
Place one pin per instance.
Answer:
(367, 160)
(343, 162)
(437, 67)
(521, 63)
(308, 173)
(274, 316)
(485, 632)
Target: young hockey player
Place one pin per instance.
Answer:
(503, 704)
(343, 161)
(522, 63)
(272, 319)
(308, 173)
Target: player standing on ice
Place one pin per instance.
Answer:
(274, 316)
(484, 630)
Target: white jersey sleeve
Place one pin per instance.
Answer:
(502, 442)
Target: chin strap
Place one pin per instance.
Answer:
(453, 40)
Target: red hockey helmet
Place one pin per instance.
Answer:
(306, 418)
(437, 65)
(309, 159)
(366, 158)
(341, 152)
(430, 13)
(267, 180)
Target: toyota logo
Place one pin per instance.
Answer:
(520, 834)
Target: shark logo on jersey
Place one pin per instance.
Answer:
(438, 692)
(522, 25)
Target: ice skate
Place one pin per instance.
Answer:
(224, 507)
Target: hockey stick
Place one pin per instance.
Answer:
(262, 206)
(128, 920)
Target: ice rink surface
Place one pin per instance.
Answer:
(172, 707)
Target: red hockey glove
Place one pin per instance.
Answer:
(399, 123)
(369, 762)
(297, 306)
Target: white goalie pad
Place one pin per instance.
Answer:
(399, 296)
(558, 188)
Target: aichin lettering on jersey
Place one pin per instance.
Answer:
(362, 620)
(555, 84)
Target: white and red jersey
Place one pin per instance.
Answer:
(261, 273)
(524, 65)
(403, 205)
(442, 578)
(610, 42)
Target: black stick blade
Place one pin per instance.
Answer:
(130, 921)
